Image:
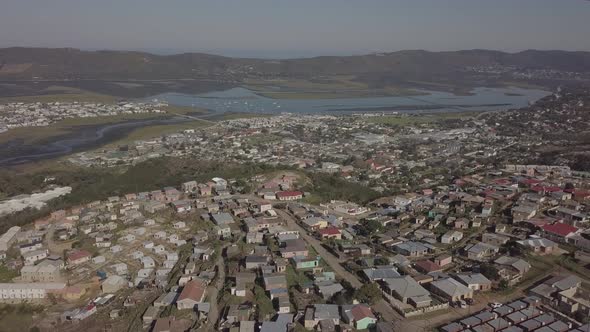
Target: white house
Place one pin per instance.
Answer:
(148, 262)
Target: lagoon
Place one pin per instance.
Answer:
(244, 100)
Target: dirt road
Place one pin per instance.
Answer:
(213, 293)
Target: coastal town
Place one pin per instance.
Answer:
(460, 228)
(38, 114)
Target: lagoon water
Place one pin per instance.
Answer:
(244, 100)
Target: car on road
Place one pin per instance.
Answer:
(463, 304)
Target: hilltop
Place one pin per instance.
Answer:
(141, 74)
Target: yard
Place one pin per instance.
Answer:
(6, 274)
(17, 317)
(264, 304)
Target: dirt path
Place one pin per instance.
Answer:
(213, 292)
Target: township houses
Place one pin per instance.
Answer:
(78, 257)
(512, 269)
(318, 314)
(41, 273)
(359, 315)
(407, 290)
(475, 281)
(181, 206)
(539, 245)
(570, 216)
(494, 239)
(255, 262)
(481, 251)
(190, 187)
(172, 194)
(22, 292)
(31, 257)
(192, 294)
(451, 236)
(330, 233)
(412, 249)
(294, 248)
(222, 218)
(381, 273)
(451, 290)
(427, 266)
(289, 195)
(559, 232)
(315, 223)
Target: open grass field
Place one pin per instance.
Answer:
(6, 274)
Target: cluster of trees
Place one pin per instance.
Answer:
(332, 187)
(369, 227)
(367, 293)
(90, 184)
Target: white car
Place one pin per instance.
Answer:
(463, 304)
(495, 305)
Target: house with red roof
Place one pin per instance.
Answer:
(78, 257)
(559, 232)
(192, 294)
(581, 195)
(330, 233)
(427, 266)
(289, 195)
(360, 316)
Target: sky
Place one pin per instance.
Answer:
(296, 28)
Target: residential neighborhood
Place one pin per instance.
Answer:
(348, 226)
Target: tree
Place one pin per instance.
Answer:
(369, 293)
(369, 227)
(581, 317)
(489, 271)
(503, 284)
(381, 261)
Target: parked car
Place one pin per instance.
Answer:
(463, 304)
(495, 305)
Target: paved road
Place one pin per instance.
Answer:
(382, 307)
(330, 259)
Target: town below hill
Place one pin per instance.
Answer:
(39, 71)
(450, 222)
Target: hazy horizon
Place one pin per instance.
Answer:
(287, 29)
